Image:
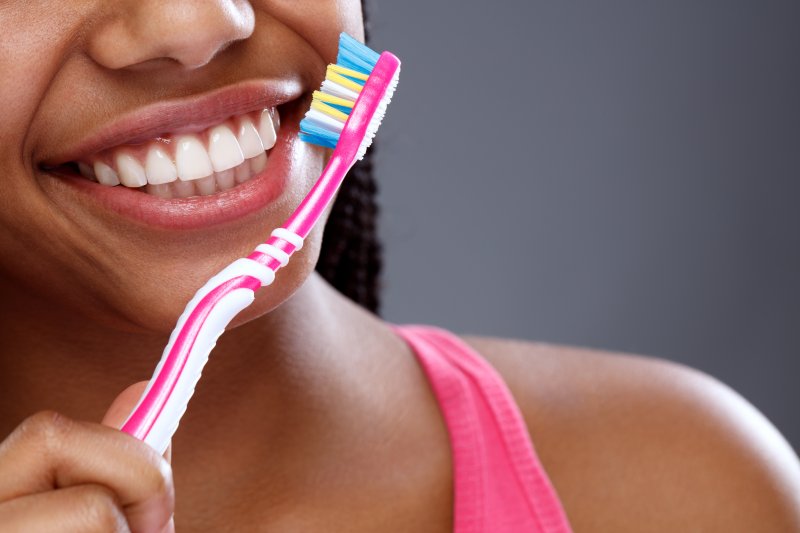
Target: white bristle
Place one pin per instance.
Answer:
(335, 89)
(377, 118)
(334, 126)
(324, 121)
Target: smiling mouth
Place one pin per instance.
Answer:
(183, 165)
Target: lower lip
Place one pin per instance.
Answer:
(196, 212)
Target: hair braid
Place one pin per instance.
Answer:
(351, 254)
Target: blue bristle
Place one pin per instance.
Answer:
(355, 55)
(313, 134)
(354, 80)
(343, 109)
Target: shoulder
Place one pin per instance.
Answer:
(630, 440)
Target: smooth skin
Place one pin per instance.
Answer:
(311, 415)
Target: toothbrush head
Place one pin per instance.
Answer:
(347, 111)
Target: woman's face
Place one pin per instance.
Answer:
(136, 90)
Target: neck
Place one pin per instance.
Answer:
(316, 395)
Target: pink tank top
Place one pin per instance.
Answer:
(500, 485)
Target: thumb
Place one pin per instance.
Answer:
(122, 406)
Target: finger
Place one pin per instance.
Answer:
(168, 453)
(121, 407)
(170, 527)
(81, 509)
(49, 451)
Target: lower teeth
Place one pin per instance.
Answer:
(216, 182)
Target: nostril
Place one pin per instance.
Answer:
(155, 63)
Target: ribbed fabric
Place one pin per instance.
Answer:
(500, 485)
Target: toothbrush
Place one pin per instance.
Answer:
(345, 115)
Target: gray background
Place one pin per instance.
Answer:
(615, 174)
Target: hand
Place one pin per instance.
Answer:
(59, 474)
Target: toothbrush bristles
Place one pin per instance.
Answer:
(332, 104)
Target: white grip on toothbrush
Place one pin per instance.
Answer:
(166, 420)
(158, 412)
(218, 319)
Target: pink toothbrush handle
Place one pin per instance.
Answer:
(155, 418)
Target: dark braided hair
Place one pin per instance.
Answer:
(351, 254)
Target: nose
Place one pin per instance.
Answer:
(145, 32)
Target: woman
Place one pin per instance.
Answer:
(313, 415)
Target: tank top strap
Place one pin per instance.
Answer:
(500, 484)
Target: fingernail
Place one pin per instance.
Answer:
(168, 452)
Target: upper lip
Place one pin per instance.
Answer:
(183, 115)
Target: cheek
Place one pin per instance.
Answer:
(29, 62)
(319, 21)
(350, 19)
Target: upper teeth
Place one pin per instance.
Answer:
(188, 157)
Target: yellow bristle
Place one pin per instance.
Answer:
(341, 80)
(350, 73)
(335, 100)
(328, 110)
